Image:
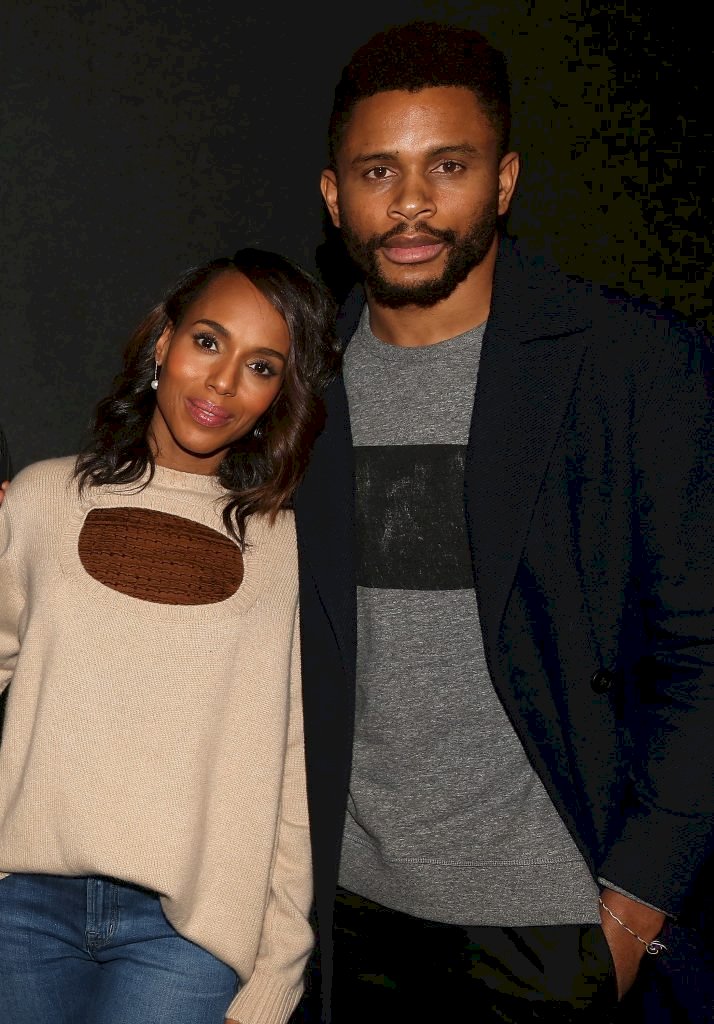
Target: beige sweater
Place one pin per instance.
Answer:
(159, 743)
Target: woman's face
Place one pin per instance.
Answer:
(222, 366)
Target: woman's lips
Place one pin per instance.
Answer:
(207, 414)
(417, 249)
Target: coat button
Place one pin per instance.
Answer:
(602, 680)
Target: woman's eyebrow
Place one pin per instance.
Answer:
(219, 328)
(272, 352)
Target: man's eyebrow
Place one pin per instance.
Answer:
(368, 158)
(467, 148)
(218, 328)
(387, 156)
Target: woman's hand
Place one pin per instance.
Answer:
(3, 487)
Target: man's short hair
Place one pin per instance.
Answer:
(421, 55)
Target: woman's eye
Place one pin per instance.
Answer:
(262, 368)
(206, 341)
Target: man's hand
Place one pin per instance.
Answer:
(627, 951)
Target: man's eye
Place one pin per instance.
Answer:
(379, 173)
(450, 166)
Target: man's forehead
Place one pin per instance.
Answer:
(431, 117)
(428, 96)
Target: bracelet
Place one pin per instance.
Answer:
(654, 948)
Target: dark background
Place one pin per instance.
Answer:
(140, 138)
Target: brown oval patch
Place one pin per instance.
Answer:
(155, 556)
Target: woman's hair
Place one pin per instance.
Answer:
(260, 473)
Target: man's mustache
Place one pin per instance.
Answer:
(420, 228)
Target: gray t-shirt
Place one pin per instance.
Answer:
(447, 819)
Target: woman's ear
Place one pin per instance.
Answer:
(162, 343)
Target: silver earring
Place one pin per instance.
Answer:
(155, 381)
(258, 432)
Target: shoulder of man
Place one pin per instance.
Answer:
(641, 331)
(628, 325)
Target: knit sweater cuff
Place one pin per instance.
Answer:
(262, 1000)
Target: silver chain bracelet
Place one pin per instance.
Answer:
(654, 948)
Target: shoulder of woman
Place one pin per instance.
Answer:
(46, 479)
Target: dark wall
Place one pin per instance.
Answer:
(140, 138)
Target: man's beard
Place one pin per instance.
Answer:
(464, 253)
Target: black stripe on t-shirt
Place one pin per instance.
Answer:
(411, 531)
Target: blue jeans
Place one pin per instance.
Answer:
(97, 951)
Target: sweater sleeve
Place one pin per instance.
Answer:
(11, 598)
(276, 984)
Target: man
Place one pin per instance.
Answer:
(507, 567)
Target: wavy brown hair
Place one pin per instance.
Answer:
(260, 471)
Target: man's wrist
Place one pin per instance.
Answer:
(643, 923)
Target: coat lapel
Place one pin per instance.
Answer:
(532, 352)
(325, 510)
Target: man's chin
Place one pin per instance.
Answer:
(422, 293)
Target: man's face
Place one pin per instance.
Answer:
(418, 191)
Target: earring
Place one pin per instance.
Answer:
(258, 432)
(155, 381)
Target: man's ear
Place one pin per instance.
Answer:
(507, 178)
(328, 187)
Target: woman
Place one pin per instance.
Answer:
(153, 823)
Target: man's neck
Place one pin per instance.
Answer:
(417, 326)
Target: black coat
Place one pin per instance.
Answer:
(589, 497)
(5, 466)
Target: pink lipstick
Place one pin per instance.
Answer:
(206, 413)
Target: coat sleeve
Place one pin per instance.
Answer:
(276, 984)
(668, 836)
